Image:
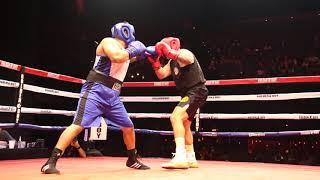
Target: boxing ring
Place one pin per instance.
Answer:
(113, 168)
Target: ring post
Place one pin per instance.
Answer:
(19, 100)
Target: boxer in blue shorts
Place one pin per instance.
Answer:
(187, 74)
(100, 94)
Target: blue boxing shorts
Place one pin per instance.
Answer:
(96, 101)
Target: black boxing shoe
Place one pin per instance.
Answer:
(133, 162)
(50, 166)
(136, 164)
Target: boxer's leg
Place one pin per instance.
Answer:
(87, 112)
(191, 158)
(197, 98)
(129, 137)
(118, 115)
(64, 141)
(129, 140)
(178, 116)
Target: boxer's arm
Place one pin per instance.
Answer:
(164, 49)
(153, 57)
(112, 50)
(76, 145)
(185, 56)
(81, 152)
(163, 72)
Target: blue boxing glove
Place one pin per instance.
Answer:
(151, 52)
(153, 57)
(135, 48)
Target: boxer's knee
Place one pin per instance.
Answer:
(175, 118)
(179, 115)
(187, 124)
(127, 123)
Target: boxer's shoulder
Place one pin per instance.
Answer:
(108, 40)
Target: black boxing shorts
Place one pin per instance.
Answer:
(193, 99)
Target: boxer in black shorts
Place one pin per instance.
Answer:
(183, 66)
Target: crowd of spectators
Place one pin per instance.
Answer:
(237, 61)
(276, 49)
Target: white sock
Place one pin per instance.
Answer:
(190, 153)
(180, 145)
(189, 148)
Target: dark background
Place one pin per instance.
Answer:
(52, 35)
(228, 37)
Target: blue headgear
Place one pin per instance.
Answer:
(123, 31)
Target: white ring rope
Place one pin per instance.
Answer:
(263, 134)
(150, 98)
(293, 116)
(11, 109)
(150, 115)
(251, 97)
(252, 116)
(50, 91)
(5, 83)
(265, 97)
(47, 111)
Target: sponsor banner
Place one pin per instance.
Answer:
(257, 134)
(10, 65)
(7, 109)
(38, 72)
(210, 134)
(150, 99)
(161, 83)
(265, 97)
(149, 115)
(5, 83)
(213, 82)
(260, 116)
(310, 132)
(252, 97)
(305, 116)
(50, 91)
(53, 75)
(47, 111)
(266, 80)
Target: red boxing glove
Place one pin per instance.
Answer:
(164, 49)
(155, 63)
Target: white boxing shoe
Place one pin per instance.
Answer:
(192, 161)
(179, 161)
